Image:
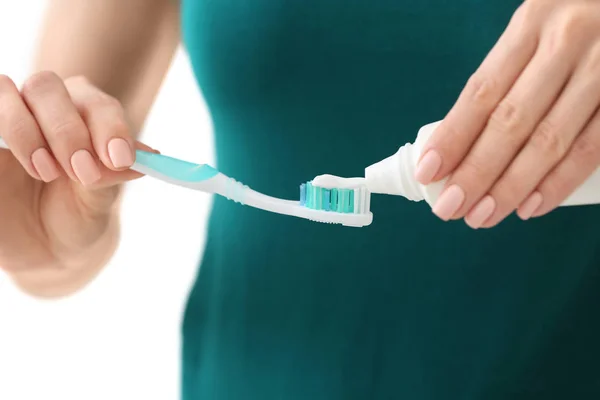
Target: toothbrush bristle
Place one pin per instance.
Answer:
(347, 201)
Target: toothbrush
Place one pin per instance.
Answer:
(348, 205)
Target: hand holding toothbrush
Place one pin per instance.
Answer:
(525, 131)
(70, 149)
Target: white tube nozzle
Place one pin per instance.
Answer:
(395, 175)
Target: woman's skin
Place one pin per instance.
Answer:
(522, 136)
(72, 133)
(525, 132)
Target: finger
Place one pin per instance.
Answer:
(111, 178)
(22, 135)
(548, 144)
(581, 161)
(509, 126)
(63, 128)
(485, 89)
(105, 119)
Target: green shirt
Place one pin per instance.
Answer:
(410, 307)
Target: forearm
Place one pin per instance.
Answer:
(123, 47)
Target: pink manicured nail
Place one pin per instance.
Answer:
(428, 167)
(120, 153)
(530, 206)
(449, 202)
(85, 167)
(481, 212)
(44, 165)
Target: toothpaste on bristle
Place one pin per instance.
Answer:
(336, 182)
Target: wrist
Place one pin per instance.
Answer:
(72, 274)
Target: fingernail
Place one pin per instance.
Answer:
(120, 153)
(44, 165)
(449, 202)
(530, 206)
(481, 212)
(428, 167)
(85, 167)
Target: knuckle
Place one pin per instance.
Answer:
(113, 102)
(19, 128)
(100, 99)
(22, 133)
(523, 29)
(482, 91)
(7, 110)
(507, 117)
(509, 190)
(552, 188)
(110, 101)
(556, 43)
(118, 127)
(548, 140)
(472, 171)
(586, 150)
(570, 27)
(505, 197)
(593, 62)
(520, 14)
(530, 11)
(505, 189)
(525, 12)
(40, 82)
(448, 130)
(78, 80)
(13, 122)
(66, 130)
(6, 84)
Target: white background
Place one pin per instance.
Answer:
(119, 338)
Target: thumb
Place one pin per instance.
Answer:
(112, 177)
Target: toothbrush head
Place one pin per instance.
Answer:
(347, 201)
(329, 196)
